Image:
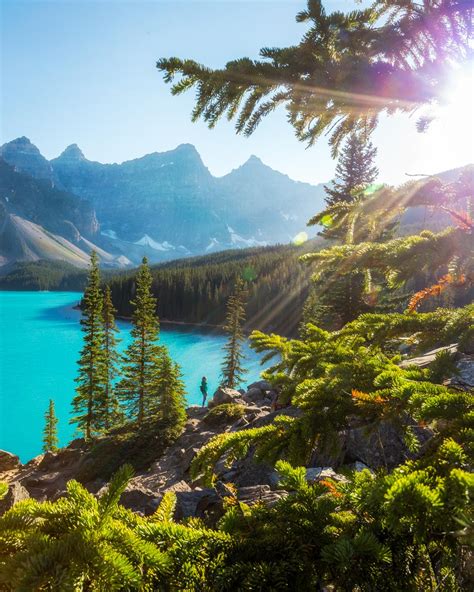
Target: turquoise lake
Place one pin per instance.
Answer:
(40, 338)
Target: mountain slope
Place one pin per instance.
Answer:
(38, 221)
(179, 208)
(23, 240)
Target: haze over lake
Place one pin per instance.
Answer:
(40, 339)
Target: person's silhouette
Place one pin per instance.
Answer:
(203, 389)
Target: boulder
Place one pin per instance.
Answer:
(225, 395)
(382, 446)
(464, 379)
(198, 502)
(247, 472)
(319, 473)
(255, 396)
(180, 486)
(260, 494)
(138, 498)
(16, 493)
(260, 398)
(8, 461)
(429, 357)
(262, 385)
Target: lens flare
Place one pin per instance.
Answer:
(300, 238)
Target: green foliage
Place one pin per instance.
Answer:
(78, 543)
(421, 331)
(138, 389)
(337, 380)
(224, 414)
(336, 79)
(373, 532)
(355, 172)
(3, 489)
(171, 394)
(197, 290)
(50, 432)
(231, 444)
(232, 368)
(88, 402)
(111, 414)
(44, 275)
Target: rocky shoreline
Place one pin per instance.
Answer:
(360, 447)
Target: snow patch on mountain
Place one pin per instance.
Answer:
(147, 241)
(214, 244)
(240, 241)
(109, 234)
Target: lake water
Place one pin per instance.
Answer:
(40, 338)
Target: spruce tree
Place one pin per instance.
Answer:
(138, 390)
(355, 170)
(232, 368)
(88, 402)
(50, 432)
(348, 68)
(172, 402)
(338, 297)
(110, 413)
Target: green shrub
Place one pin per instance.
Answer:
(224, 413)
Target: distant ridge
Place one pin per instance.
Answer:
(167, 205)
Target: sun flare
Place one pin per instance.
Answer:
(456, 113)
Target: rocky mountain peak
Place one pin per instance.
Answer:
(72, 153)
(253, 160)
(22, 154)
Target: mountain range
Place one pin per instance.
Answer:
(163, 205)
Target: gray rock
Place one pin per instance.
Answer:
(8, 461)
(382, 446)
(314, 474)
(180, 486)
(360, 466)
(429, 357)
(139, 499)
(260, 494)
(198, 502)
(266, 418)
(16, 493)
(255, 396)
(262, 385)
(225, 395)
(464, 380)
(248, 472)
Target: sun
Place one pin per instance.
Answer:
(456, 109)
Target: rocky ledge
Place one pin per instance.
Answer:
(45, 477)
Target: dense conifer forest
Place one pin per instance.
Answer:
(196, 290)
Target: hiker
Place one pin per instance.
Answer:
(203, 389)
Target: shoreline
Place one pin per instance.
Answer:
(169, 322)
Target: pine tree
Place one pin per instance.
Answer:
(347, 69)
(88, 402)
(110, 413)
(138, 390)
(232, 368)
(338, 296)
(355, 170)
(172, 402)
(50, 432)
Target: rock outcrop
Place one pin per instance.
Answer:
(361, 447)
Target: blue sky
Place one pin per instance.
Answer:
(74, 71)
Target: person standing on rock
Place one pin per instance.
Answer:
(203, 389)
